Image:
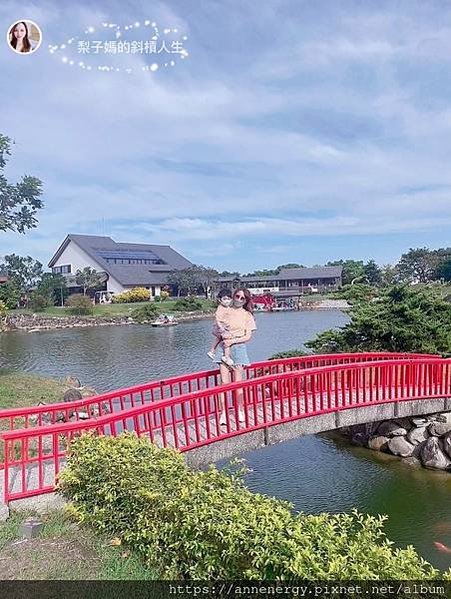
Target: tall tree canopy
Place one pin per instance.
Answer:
(18, 202)
(190, 280)
(23, 271)
(401, 318)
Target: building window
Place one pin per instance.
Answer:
(62, 270)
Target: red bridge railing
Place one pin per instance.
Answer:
(34, 456)
(147, 393)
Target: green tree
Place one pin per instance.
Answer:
(389, 275)
(373, 273)
(444, 270)
(24, 271)
(184, 280)
(418, 265)
(289, 265)
(206, 278)
(263, 273)
(20, 202)
(88, 278)
(353, 270)
(9, 294)
(191, 280)
(53, 286)
(228, 273)
(400, 319)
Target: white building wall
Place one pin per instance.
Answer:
(114, 286)
(77, 258)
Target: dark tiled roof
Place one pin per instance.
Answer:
(127, 274)
(320, 272)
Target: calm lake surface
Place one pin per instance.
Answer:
(315, 473)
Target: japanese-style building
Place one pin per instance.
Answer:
(121, 265)
(291, 282)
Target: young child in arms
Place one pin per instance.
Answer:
(221, 327)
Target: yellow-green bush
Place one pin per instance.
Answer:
(79, 304)
(208, 525)
(137, 294)
(3, 309)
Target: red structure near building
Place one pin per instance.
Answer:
(265, 303)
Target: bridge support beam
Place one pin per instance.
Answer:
(356, 415)
(423, 406)
(201, 456)
(297, 428)
(277, 433)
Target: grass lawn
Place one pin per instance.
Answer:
(64, 551)
(19, 389)
(112, 309)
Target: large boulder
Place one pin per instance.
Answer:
(404, 422)
(72, 381)
(444, 417)
(72, 395)
(417, 435)
(400, 446)
(378, 442)
(439, 429)
(360, 439)
(432, 455)
(447, 443)
(391, 428)
(419, 421)
(440, 417)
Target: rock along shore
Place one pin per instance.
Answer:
(32, 323)
(419, 440)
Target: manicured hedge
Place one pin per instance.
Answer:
(208, 525)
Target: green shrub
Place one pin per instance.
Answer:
(39, 302)
(137, 294)
(207, 525)
(292, 353)
(79, 304)
(164, 295)
(9, 294)
(188, 304)
(3, 309)
(144, 313)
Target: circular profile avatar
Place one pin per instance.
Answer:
(24, 37)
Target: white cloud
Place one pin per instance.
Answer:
(312, 134)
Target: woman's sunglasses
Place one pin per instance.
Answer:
(240, 296)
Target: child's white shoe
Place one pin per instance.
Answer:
(227, 361)
(211, 355)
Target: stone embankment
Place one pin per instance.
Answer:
(327, 304)
(419, 440)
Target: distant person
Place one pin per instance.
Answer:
(221, 327)
(18, 38)
(240, 320)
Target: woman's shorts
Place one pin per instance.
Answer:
(238, 353)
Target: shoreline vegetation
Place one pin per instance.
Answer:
(122, 314)
(21, 389)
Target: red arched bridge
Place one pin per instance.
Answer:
(280, 399)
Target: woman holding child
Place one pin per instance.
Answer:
(233, 328)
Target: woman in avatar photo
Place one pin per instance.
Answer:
(18, 37)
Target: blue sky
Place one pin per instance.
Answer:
(294, 131)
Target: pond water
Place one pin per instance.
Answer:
(316, 473)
